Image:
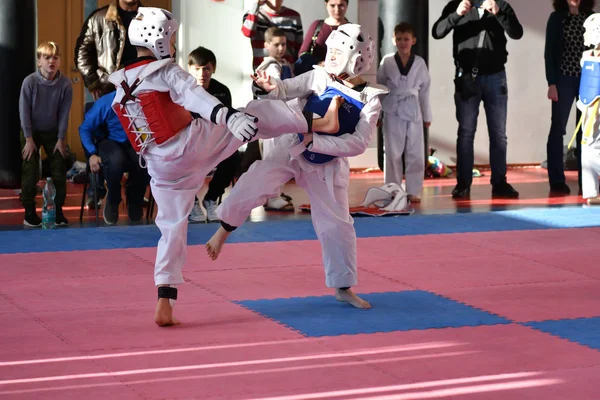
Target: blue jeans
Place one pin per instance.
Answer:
(568, 90)
(493, 91)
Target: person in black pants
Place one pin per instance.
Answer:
(202, 64)
(563, 51)
(480, 29)
(113, 154)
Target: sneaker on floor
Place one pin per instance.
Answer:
(461, 192)
(110, 213)
(211, 210)
(560, 188)
(197, 215)
(505, 190)
(32, 219)
(89, 202)
(60, 218)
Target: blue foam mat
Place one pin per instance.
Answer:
(392, 311)
(585, 331)
(93, 238)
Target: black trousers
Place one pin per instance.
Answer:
(118, 158)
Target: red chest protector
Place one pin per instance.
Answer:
(160, 118)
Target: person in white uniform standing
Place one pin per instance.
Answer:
(407, 110)
(318, 162)
(589, 102)
(154, 100)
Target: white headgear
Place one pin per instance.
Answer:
(152, 28)
(356, 45)
(591, 36)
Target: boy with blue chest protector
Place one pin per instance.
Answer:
(589, 102)
(317, 162)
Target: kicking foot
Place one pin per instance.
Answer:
(330, 122)
(213, 246)
(348, 296)
(413, 198)
(164, 313)
(594, 201)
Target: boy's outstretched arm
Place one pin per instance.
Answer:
(185, 91)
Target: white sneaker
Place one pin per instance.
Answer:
(211, 210)
(197, 215)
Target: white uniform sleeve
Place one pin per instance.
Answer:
(298, 87)
(424, 94)
(186, 92)
(356, 143)
(381, 72)
(274, 70)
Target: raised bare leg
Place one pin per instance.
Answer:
(214, 245)
(348, 296)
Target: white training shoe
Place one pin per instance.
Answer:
(211, 210)
(197, 215)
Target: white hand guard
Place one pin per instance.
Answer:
(242, 125)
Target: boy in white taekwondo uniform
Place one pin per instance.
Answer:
(153, 102)
(406, 109)
(318, 162)
(589, 101)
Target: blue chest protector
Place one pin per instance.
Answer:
(589, 89)
(286, 72)
(348, 114)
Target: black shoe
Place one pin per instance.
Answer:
(560, 188)
(504, 189)
(135, 212)
(110, 213)
(32, 219)
(60, 218)
(460, 192)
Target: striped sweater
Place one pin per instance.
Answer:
(257, 21)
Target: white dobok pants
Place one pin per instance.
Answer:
(404, 137)
(327, 188)
(590, 169)
(179, 167)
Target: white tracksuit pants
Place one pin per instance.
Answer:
(404, 137)
(329, 207)
(590, 169)
(179, 167)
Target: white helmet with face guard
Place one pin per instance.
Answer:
(591, 25)
(153, 28)
(356, 49)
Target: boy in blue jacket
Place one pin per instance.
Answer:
(115, 155)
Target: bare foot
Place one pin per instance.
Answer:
(213, 246)
(414, 199)
(594, 201)
(164, 313)
(348, 296)
(330, 122)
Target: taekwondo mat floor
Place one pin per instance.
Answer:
(488, 305)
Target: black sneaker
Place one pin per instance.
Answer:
(110, 213)
(32, 219)
(560, 188)
(60, 218)
(505, 190)
(460, 192)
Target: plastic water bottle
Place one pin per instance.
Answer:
(49, 209)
